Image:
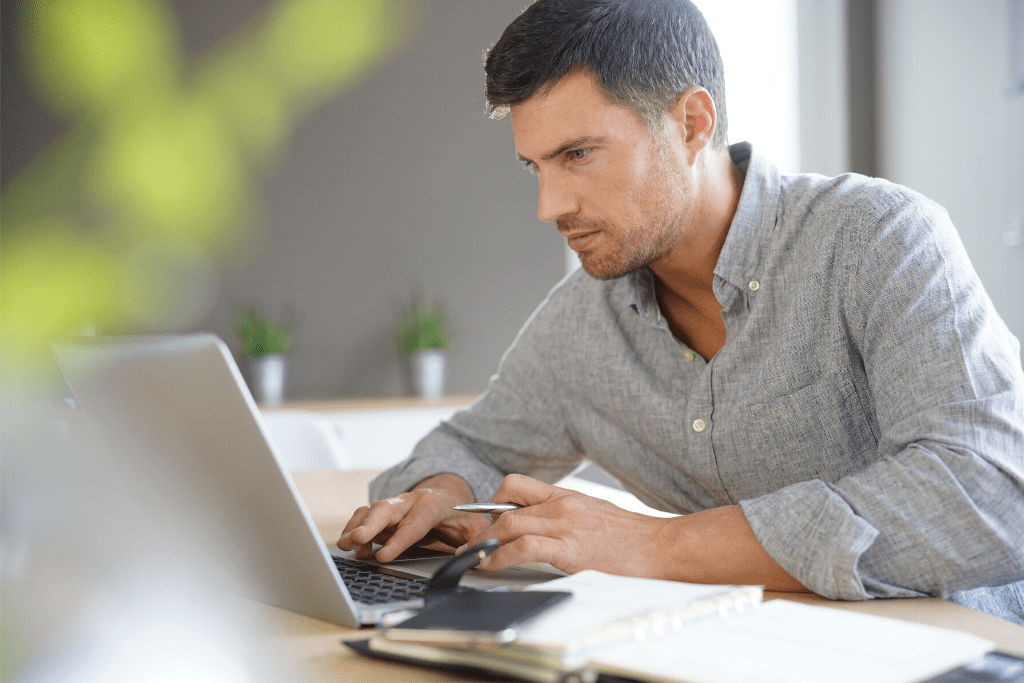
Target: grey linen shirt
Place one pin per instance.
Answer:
(866, 411)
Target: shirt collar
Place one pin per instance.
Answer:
(642, 297)
(752, 225)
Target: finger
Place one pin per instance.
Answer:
(530, 549)
(380, 516)
(512, 525)
(416, 524)
(353, 523)
(357, 518)
(530, 521)
(523, 490)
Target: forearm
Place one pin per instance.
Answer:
(718, 546)
(573, 531)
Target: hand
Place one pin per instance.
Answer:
(571, 531)
(423, 515)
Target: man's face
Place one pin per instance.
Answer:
(614, 194)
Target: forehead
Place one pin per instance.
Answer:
(575, 107)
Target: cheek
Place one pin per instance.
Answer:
(648, 192)
(629, 187)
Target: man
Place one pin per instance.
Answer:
(807, 369)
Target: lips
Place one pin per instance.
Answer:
(581, 240)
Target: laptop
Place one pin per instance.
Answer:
(181, 428)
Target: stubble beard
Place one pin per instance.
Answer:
(641, 246)
(636, 247)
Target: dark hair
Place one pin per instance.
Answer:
(644, 54)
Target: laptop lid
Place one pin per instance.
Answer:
(179, 423)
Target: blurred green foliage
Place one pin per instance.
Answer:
(115, 227)
(423, 327)
(260, 335)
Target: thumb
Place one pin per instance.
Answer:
(523, 490)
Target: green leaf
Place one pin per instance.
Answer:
(260, 336)
(423, 328)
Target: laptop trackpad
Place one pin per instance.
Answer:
(416, 553)
(428, 563)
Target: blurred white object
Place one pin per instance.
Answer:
(266, 378)
(428, 373)
(1014, 236)
(305, 440)
(97, 586)
(377, 439)
(616, 496)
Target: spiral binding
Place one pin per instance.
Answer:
(660, 623)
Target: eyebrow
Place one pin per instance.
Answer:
(575, 143)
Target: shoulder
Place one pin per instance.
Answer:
(578, 306)
(854, 198)
(579, 296)
(865, 216)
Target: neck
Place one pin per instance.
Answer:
(688, 270)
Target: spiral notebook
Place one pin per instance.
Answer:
(671, 632)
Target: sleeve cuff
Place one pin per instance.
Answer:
(815, 536)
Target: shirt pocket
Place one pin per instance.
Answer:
(820, 431)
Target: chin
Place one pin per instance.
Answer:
(605, 271)
(612, 269)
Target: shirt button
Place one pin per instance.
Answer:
(689, 355)
(754, 285)
(699, 425)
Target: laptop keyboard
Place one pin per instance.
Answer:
(373, 585)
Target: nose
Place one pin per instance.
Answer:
(555, 199)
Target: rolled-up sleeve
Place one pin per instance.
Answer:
(812, 532)
(941, 509)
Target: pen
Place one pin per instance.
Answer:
(487, 507)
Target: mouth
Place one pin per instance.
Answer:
(580, 241)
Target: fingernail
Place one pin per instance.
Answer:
(461, 549)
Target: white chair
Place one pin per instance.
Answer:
(305, 440)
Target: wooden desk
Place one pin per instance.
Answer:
(313, 647)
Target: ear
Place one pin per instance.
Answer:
(694, 118)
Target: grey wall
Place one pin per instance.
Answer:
(824, 102)
(401, 182)
(929, 109)
(948, 128)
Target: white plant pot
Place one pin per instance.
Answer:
(428, 373)
(267, 378)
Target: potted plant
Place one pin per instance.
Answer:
(266, 345)
(424, 337)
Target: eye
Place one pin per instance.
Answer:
(578, 154)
